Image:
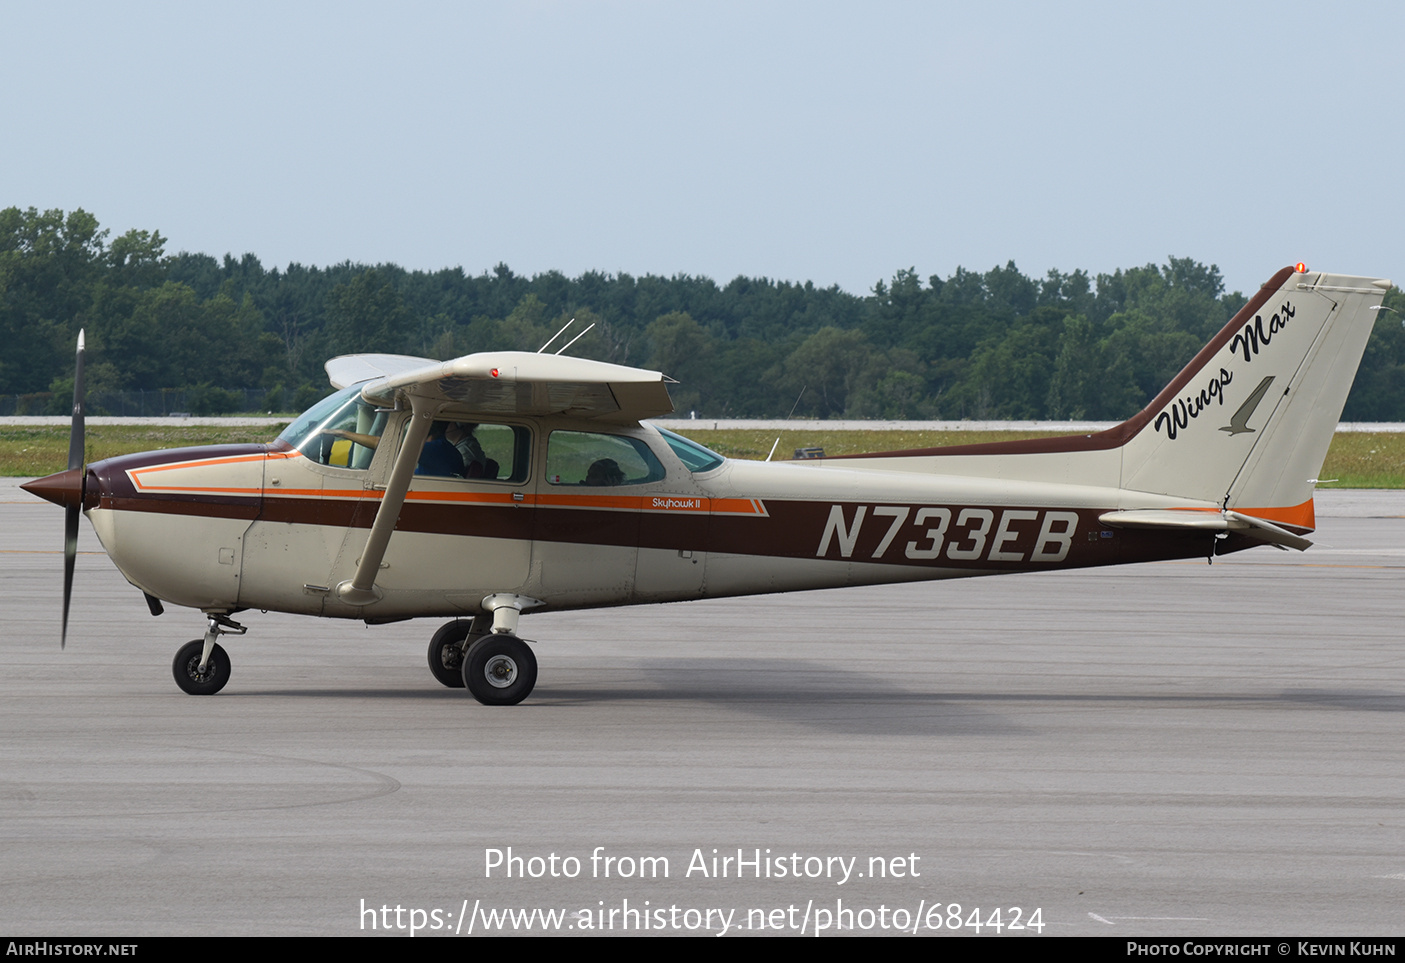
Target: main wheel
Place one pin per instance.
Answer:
(446, 652)
(500, 670)
(186, 668)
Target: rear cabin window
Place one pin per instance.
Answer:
(599, 461)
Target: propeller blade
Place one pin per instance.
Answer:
(76, 432)
(76, 450)
(70, 553)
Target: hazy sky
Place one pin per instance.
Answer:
(803, 141)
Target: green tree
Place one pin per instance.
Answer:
(366, 314)
(683, 349)
(1379, 391)
(824, 369)
(49, 265)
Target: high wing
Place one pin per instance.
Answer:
(500, 383)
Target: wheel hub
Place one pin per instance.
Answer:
(500, 671)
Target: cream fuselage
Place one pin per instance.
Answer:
(265, 527)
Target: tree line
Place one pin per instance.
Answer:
(993, 344)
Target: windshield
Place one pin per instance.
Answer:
(313, 417)
(694, 457)
(340, 430)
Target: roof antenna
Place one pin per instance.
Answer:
(558, 334)
(796, 405)
(773, 448)
(576, 338)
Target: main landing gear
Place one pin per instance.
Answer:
(500, 670)
(446, 651)
(201, 666)
(485, 655)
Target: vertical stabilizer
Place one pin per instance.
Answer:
(1247, 423)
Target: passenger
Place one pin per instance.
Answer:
(460, 435)
(604, 472)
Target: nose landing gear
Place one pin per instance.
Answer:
(201, 666)
(195, 680)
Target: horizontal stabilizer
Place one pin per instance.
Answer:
(1206, 521)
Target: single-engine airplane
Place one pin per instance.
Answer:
(506, 482)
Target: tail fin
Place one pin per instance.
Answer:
(1247, 423)
(1244, 426)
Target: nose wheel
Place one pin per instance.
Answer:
(201, 666)
(192, 678)
(500, 670)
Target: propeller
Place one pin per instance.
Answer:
(72, 510)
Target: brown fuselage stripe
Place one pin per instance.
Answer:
(779, 528)
(793, 529)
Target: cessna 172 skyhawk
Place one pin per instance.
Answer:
(553, 492)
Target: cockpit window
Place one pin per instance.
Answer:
(694, 457)
(599, 461)
(340, 430)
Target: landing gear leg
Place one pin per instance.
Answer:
(499, 668)
(201, 666)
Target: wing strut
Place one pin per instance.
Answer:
(361, 589)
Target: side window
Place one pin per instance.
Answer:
(598, 461)
(505, 449)
(478, 452)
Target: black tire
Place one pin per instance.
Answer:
(186, 668)
(500, 670)
(446, 651)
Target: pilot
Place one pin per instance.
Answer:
(341, 452)
(604, 472)
(368, 441)
(439, 456)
